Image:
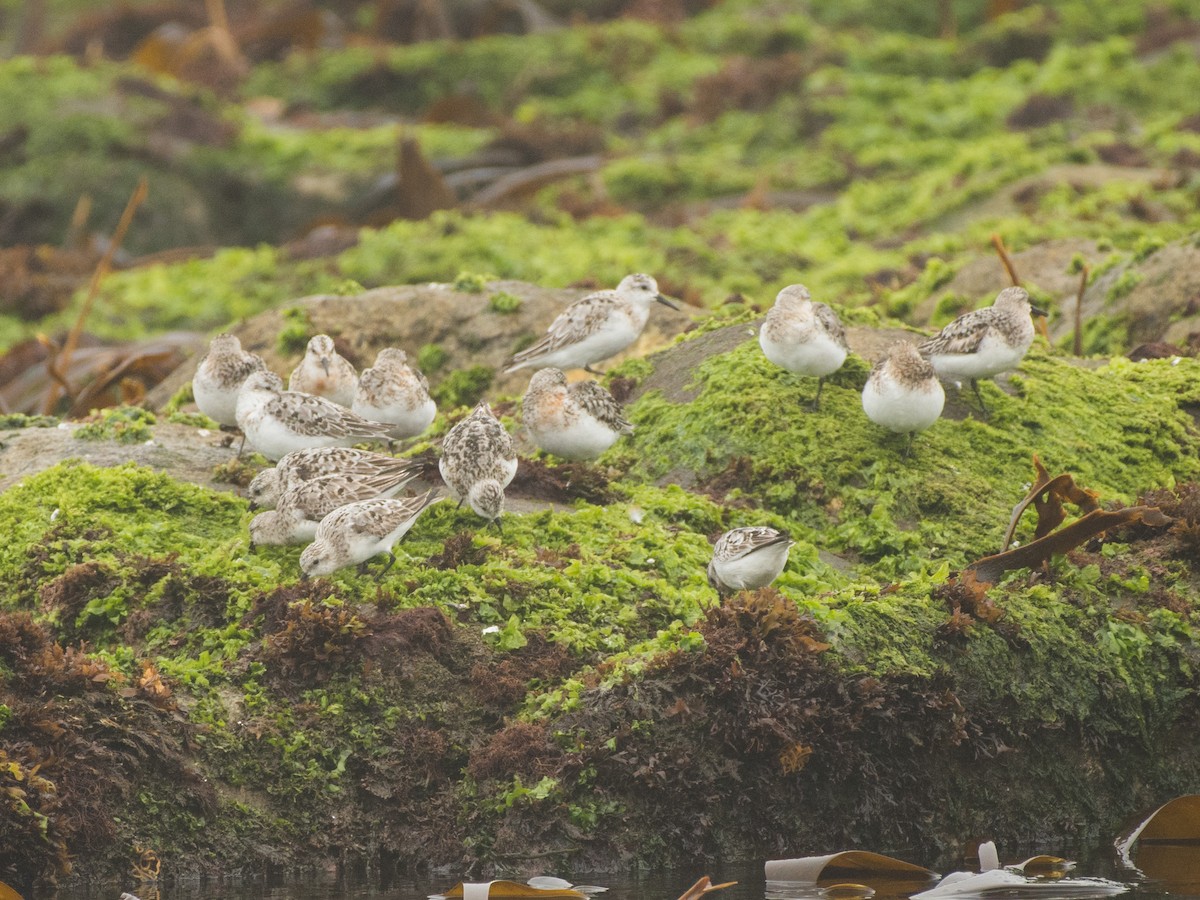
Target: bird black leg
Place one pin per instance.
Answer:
(908, 446)
(241, 446)
(979, 396)
(593, 371)
(391, 562)
(362, 567)
(816, 401)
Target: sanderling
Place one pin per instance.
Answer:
(902, 392)
(393, 391)
(356, 532)
(595, 327)
(305, 465)
(479, 459)
(984, 342)
(325, 373)
(219, 377)
(578, 421)
(277, 422)
(301, 508)
(803, 337)
(749, 558)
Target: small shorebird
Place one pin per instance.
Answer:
(903, 393)
(749, 558)
(325, 373)
(219, 377)
(577, 421)
(358, 531)
(392, 391)
(301, 508)
(984, 342)
(479, 459)
(300, 466)
(277, 422)
(803, 337)
(595, 327)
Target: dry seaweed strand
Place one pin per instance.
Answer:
(1006, 260)
(1047, 496)
(57, 363)
(1011, 268)
(1083, 280)
(703, 886)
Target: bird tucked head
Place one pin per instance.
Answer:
(262, 381)
(546, 379)
(794, 297)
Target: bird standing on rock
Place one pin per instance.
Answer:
(393, 391)
(479, 460)
(595, 327)
(803, 337)
(577, 421)
(984, 342)
(276, 422)
(745, 559)
(325, 373)
(220, 376)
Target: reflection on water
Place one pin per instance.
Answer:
(1166, 872)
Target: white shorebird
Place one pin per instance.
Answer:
(984, 342)
(577, 421)
(305, 465)
(392, 391)
(479, 460)
(803, 337)
(748, 558)
(902, 393)
(325, 373)
(301, 508)
(595, 327)
(219, 377)
(358, 531)
(277, 422)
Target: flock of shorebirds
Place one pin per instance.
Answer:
(344, 502)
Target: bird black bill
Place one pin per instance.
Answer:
(665, 302)
(1038, 311)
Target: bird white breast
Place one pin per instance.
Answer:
(409, 421)
(992, 357)
(902, 409)
(582, 438)
(816, 356)
(615, 333)
(219, 405)
(754, 570)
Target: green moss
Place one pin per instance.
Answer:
(431, 358)
(504, 303)
(1126, 282)
(836, 475)
(471, 282)
(296, 330)
(127, 424)
(463, 387)
(20, 420)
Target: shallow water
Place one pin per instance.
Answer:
(1182, 872)
(1169, 873)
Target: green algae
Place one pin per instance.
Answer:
(126, 424)
(1120, 429)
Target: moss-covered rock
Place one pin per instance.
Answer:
(573, 684)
